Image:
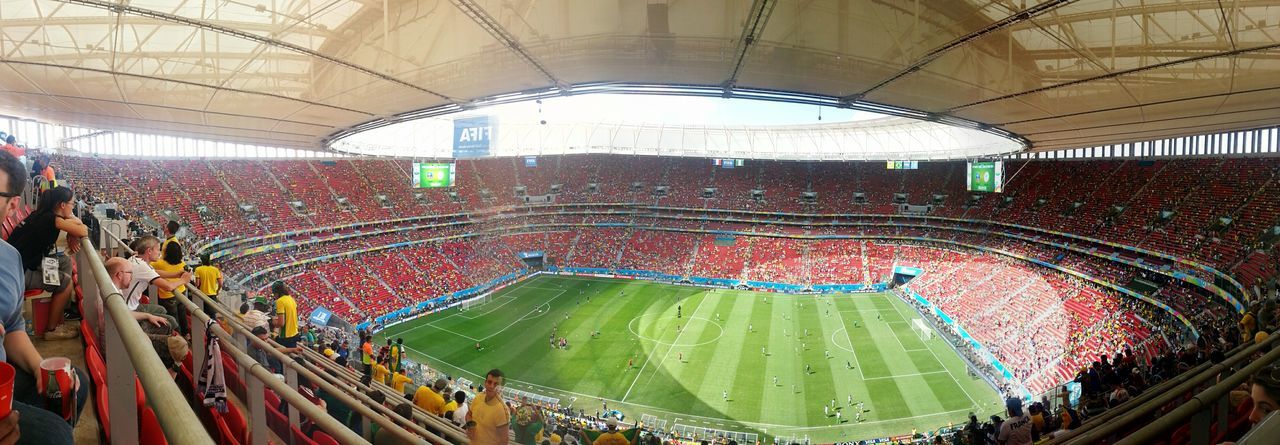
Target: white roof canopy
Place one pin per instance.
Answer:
(1059, 73)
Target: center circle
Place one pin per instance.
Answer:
(679, 340)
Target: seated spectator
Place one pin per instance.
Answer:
(265, 359)
(157, 324)
(385, 437)
(257, 316)
(34, 238)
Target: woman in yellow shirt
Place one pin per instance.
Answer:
(171, 265)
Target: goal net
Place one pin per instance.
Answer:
(475, 302)
(921, 329)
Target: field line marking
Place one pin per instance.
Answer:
(906, 375)
(849, 339)
(944, 365)
(504, 291)
(668, 353)
(692, 416)
(525, 316)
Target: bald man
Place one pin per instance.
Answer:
(155, 321)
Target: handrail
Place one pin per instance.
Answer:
(318, 415)
(170, 405)
(1148, 394)
(450, 430)
(1206, 398)
(1109, 428)
(359, 404)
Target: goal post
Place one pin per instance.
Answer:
(473, 303)
(921, 329)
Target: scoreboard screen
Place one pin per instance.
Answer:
(985, 176)
(433, 175)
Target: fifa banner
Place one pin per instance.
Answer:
(473, 137)
(320, 316)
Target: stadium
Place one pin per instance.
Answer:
(658, 222)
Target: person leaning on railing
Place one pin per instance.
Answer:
(40, 426)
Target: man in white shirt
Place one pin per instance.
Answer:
(1016, 430)
(155, 322)
(460, 414)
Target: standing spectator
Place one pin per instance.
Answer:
(172, 269)
(489, 420)
(1016, 430)
(397, 351)
(40, 425)
(11, 146)
(431, 398)
(34, 237)
(366, 357)
(399, 380)
(460, 414)
(286, 315)
(209, 279)
(171, 236)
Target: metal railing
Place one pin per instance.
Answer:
(1211, 408)
(123, 337)
(242, 340)
(1217, 380)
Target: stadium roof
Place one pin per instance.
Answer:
(1060, 74)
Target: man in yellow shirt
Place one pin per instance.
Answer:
(380, 373)
(612, 437)
(489, 420)
(430, 400)
(209, 279)
(398, 380)
(286, 315)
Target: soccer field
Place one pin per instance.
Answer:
(709, 358)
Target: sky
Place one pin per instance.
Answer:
(671, 110)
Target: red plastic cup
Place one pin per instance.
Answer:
(6, 389)
(61, 367)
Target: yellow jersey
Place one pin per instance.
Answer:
(209, 276)
(162, 266)
(380, 373)
(489, 416)
(288, 308)
(429, 401)
(398, 381)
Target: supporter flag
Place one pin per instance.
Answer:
(621, 437)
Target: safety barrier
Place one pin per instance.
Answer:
(128, 353)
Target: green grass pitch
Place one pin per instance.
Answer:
(723, 341)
